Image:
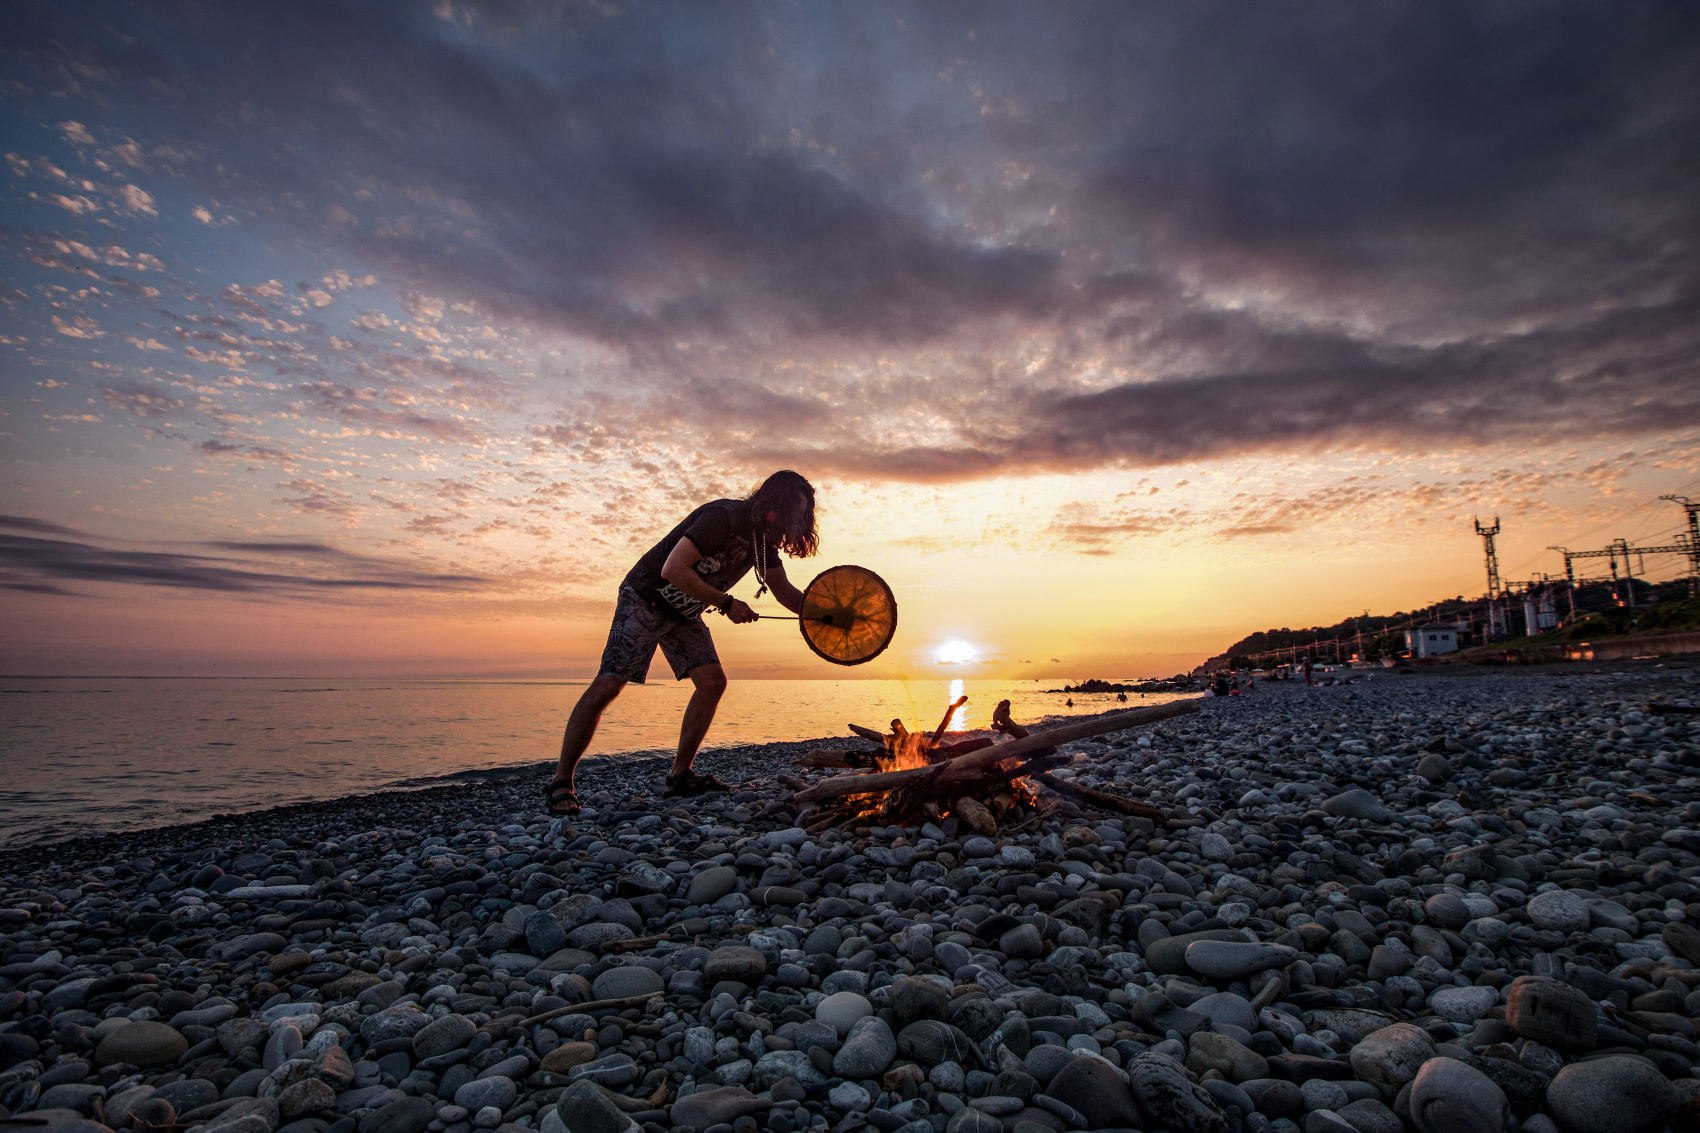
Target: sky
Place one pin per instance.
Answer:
(381, 338)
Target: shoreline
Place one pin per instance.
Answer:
(1349, 888)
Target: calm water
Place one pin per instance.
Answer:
(84, 754)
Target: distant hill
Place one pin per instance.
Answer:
(1663, 608)
(1378, 635)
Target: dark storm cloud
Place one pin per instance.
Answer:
(38, 526)
(41, 565)
(1299, 225)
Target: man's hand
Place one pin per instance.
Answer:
(740, 613)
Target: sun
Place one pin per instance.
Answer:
(955, 652)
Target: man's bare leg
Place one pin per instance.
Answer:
(710, 681)
(581, 725)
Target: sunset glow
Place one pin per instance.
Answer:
(956, 652)
(1104, 339)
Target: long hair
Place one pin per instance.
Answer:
(794, 499)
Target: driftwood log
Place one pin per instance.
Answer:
(1103, 800)
(959, 776)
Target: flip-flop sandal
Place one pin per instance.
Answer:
(689, 783)
(562, 800)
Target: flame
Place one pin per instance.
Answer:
(906, 750)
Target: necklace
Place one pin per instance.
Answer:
(758, 545)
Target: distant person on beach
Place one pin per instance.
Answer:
(661, 603)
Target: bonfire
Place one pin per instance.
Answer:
(916, 777)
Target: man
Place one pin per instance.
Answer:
(661, 603)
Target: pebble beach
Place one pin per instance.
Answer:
(1442, 902)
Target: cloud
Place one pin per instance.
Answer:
(366, 408)
(38, 526)
(137, 200)
(41, 565)
(929, 242)
(78, 326)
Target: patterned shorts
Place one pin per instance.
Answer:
(637, 630)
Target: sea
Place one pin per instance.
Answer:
(85, 755)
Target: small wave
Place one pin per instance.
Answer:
(513, 770)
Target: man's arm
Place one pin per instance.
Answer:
(789, 596)
(678, 569)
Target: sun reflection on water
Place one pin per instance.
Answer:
(959, 722)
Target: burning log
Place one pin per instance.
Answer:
(839, 757)
(973, 812)
(953, 778)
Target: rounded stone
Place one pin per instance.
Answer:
(440, 1036)
(931, 1041)
(1226, 1007)
(849, 1096)
(1369, 1115)
(146, 1044)
(304, 1098)
(708, 1108)
(191, 1093)
(1558, 910)
(151, 1113)
(594, 935)
(1392, 1056)
(1022, 942)
(628, 981)
(737, 962)
(1435, 768)
(914, 999)
(1275, 1097)
(1683, 939)
(1319, 1093)
(1045, 1061)
(1234, 1061)
(1167, 1097)
(845, 979)
(1094, 1089)
(566, 1056)
(1449, 1096)
(1168, 955)
(823, 941)
(1234, 960)
(711, 885)
(842, 1010)
(1447, 911)
(778, 1064)
(868, 1049)
(948, 1077)
(1611, 1095)
(969, 1119)
(1463, 1004)
(1490, 931)
(1552, 1013)
(1355, 803)
(405, 1115)
(475, 1095)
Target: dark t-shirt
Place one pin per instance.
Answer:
(723, 532)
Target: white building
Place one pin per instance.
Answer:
(1431, 640)
(1539, 614)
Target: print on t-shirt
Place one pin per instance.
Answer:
(725, 535)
